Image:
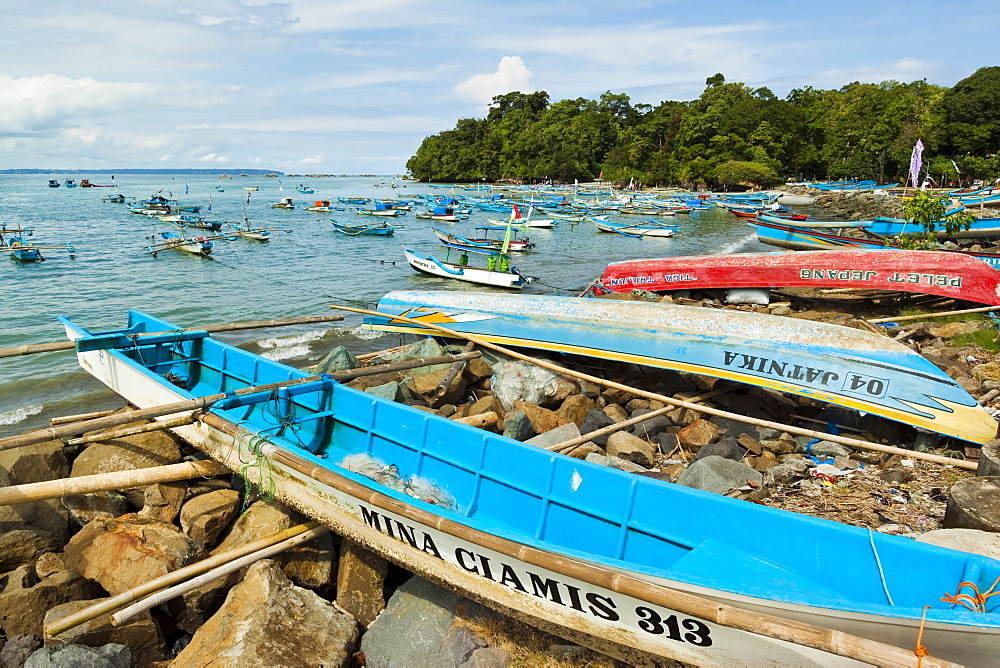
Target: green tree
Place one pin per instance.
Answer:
(739, 172)
(972, 114)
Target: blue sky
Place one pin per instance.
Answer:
(326, 86)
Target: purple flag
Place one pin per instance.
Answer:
(915, 162)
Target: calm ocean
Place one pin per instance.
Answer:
(296, 274)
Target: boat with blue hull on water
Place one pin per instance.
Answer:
(601, 556)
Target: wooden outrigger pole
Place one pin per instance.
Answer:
(211, 329)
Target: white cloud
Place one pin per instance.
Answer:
(512, 74)
(34, 104)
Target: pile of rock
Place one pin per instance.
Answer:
(60, 556)
(308, 606)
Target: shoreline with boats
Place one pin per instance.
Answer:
(779, 464)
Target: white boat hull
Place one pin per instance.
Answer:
(434, 267)
(594, 616)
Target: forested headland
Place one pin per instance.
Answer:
(732, 134)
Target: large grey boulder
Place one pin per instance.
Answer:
(141, 634)
(80, 656)
(718, 475)
(418, 628)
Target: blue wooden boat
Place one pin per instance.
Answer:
(626, 563)
(171, 241)
(651, 228)
(305, 190)
(373, 229)
(70, 183)
(980, 228)
(15, 241)
(486, 242)
(839, 365)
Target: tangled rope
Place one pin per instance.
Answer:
(976, 602)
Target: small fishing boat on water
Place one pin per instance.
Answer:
(498, 272)
(54, 183)
(305, 190)
(948, 274)
(651, 228)
(117, 198)
(373, 229)
(172, 241)
(155, 205)
(381, 209)
(15, 241)
(283, 203)
(650, 567)
(485, 242)
(442, 213)
(191, 221)
(320, 206)
(70, 183)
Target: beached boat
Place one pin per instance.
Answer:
(171, 241)
(485, 242)
(373, 229)
(980, 228)
(498, 272)
(645, 568)
(948, 274)
(795, 238)
(839, 365)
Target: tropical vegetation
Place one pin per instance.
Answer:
(731, 135)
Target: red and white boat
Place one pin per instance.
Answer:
(942, 273)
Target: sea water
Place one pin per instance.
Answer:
(296, 274)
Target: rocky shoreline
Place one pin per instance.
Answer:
(329, 602)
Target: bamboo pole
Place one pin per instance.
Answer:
(982, 309)
(165, 595)
(852, 442)
(77, 428)
(76, 418)
(229, 327)
(131, 431)
(105, 482)
(482, 420)
(800, 633)
(181, 574)
(453, 371)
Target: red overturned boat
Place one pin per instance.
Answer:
(943, 273)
